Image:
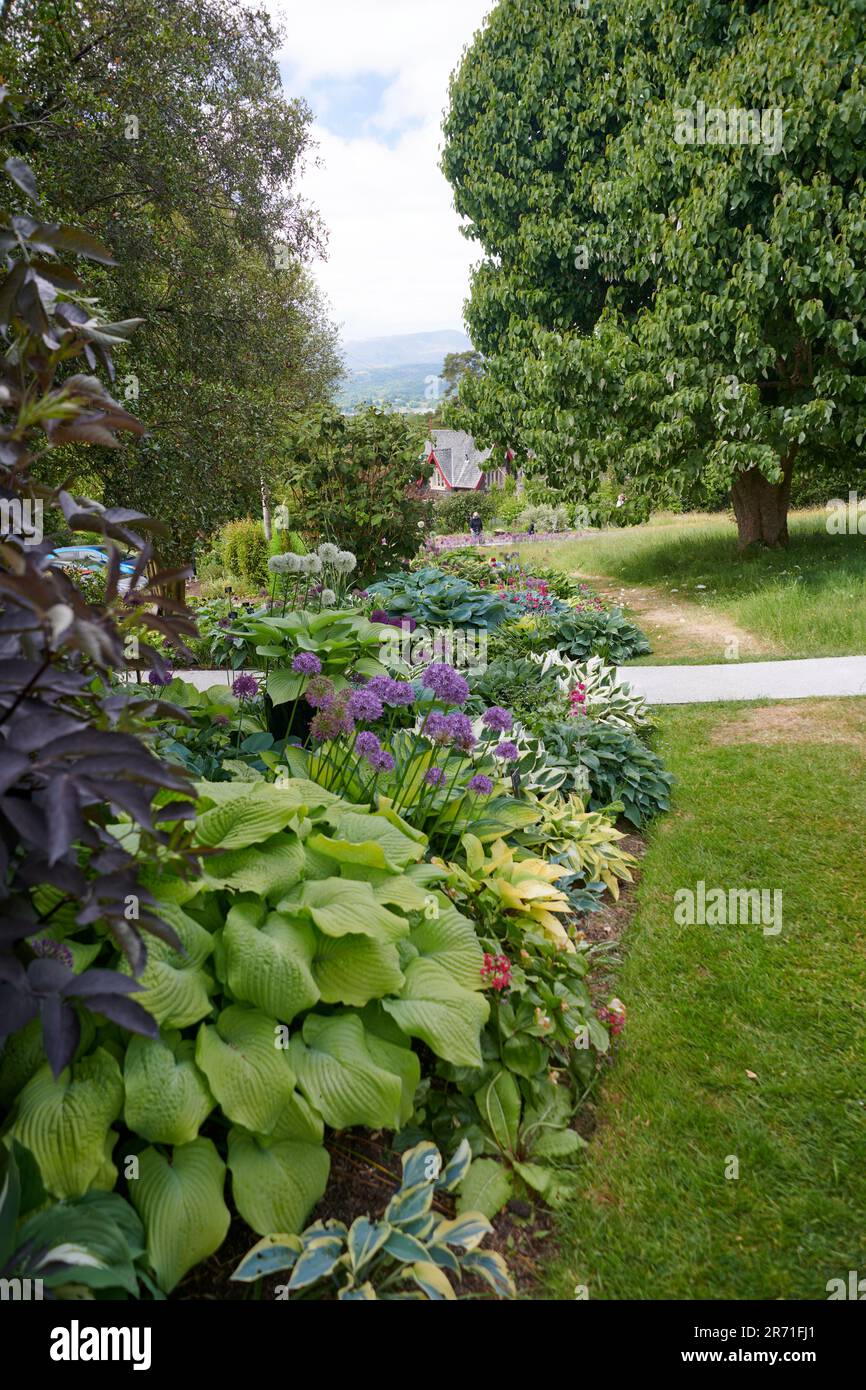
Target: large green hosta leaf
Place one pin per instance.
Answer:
(435, 1008)
(247, 1070)
(356, 969)
(449, 939)
(176, 988)
(399, 843)
(342, 906)
(344, 1078)
(247, 820)
(276, 1182)
(65, 1123)
(167, 1097)
(268, 960)
(182, 1207)
(266, 869)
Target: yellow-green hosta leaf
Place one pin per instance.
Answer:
(435, 1008)
(342, 906)
(247, 820)
(167, 1097)
(176, 988)
(268, 961)
(276, 1182)
(368, 853)
(246, 1067)
(266, 869)
(339, 1074)
(401, 1060)
(299, 1121)
(65, 1123)
(450, 940)
(361, 827)
(356, 969)
(181, 1204)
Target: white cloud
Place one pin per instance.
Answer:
(397, 262)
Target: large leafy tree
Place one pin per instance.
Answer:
(673, 313)
(163, 125)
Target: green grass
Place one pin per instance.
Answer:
(656, 1217)
(809, 600)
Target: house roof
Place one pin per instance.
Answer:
(458, 459)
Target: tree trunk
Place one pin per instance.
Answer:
(761, 507)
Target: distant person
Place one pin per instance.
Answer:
(476, 526)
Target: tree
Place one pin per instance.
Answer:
(456, 366)
(357, 480)
(162, 125)
(670, 198)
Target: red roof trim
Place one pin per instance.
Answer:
(434, 459)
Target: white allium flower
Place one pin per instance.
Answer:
(276, 564)
(281, 517)
(328, 552)
(293, 563)
(329, 598)
(345, 562)
(314, 564)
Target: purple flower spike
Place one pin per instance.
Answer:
(481, 784)
(508, 752)
(379, 615)
(245, 687)
(382, 761)
(307, 664)
(434, 776)
(498, 719)
(446, 684)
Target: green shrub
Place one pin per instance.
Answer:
(544, 517)
(591, 632)
(245, 553)
(452, 510)
(621, 769)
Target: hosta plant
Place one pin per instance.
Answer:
(315, 949)
(618, 766)
(515, 883)
(586, 841)
(592, 632)
(411, 1251)
(595, 690)
(431, 596)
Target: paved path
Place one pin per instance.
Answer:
(687, 685)
(748, 680)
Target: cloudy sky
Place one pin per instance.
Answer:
(375, 73)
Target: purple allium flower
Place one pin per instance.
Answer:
(332, 720)
(481, 784)
(508, 752)
(48, 949)
(364, 704)
(382, 761)
(498, 719)
(367, 745)
(245, 687)
(319, 693)
(221, 720)
(162, 677)
(436, 727)
(434, 776)
(446, 684)
(379, 615)
(460, 728)
(307, 664)
(224, 622)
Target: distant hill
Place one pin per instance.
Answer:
(398, 371)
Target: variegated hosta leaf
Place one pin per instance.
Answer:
(433, 1007)
(276, 1182)
(247, 1069)
(268, 961)
(340, 1076)
(271, 1255)
(490, 1266)
(431, 1280)
(65, 1123)
(167, 1097)
(182, 1207)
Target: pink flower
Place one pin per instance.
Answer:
(496, 971)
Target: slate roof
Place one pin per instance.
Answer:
(458, 458)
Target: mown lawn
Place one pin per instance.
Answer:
(770, 796)
(809, 600)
